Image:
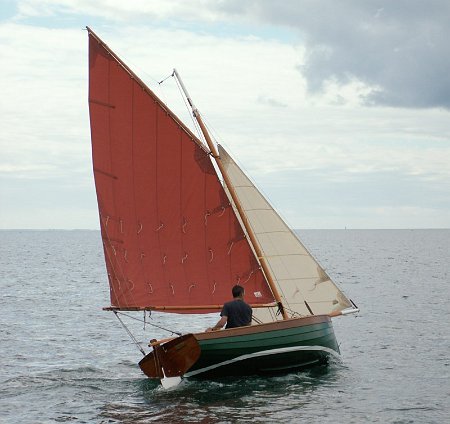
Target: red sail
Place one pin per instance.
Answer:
(170, 236)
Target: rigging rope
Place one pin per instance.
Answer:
(130, 334)
(171, 75)
(116, 313)
(194, 121)
(212, 132)
(149, 323)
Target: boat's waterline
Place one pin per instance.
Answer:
(270, 352)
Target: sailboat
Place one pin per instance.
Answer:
(181, 224)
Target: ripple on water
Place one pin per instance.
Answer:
(63, 359)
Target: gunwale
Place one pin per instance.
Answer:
(264, 327)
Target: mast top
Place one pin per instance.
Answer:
(188, 97)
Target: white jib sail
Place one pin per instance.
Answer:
(296, 273)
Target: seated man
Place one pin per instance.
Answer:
(235, 313)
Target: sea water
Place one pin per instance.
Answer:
(64, 359)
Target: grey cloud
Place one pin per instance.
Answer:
(271, 102)
(400, 48)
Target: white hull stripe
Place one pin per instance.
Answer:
(263, 353)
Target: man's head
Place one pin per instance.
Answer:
(238, 291)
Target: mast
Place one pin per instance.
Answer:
(235, 198)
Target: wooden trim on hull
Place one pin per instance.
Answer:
(261, 328)
(171, 359)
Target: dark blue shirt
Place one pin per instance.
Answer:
(238, 313)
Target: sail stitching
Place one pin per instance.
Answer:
(122, 226)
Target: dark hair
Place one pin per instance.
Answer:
(237, 291)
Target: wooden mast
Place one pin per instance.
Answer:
(235, 198)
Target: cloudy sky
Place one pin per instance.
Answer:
(339, 111)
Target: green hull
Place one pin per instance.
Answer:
(266, 348)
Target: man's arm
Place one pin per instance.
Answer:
(219, 324)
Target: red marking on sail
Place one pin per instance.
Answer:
(160, 200)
